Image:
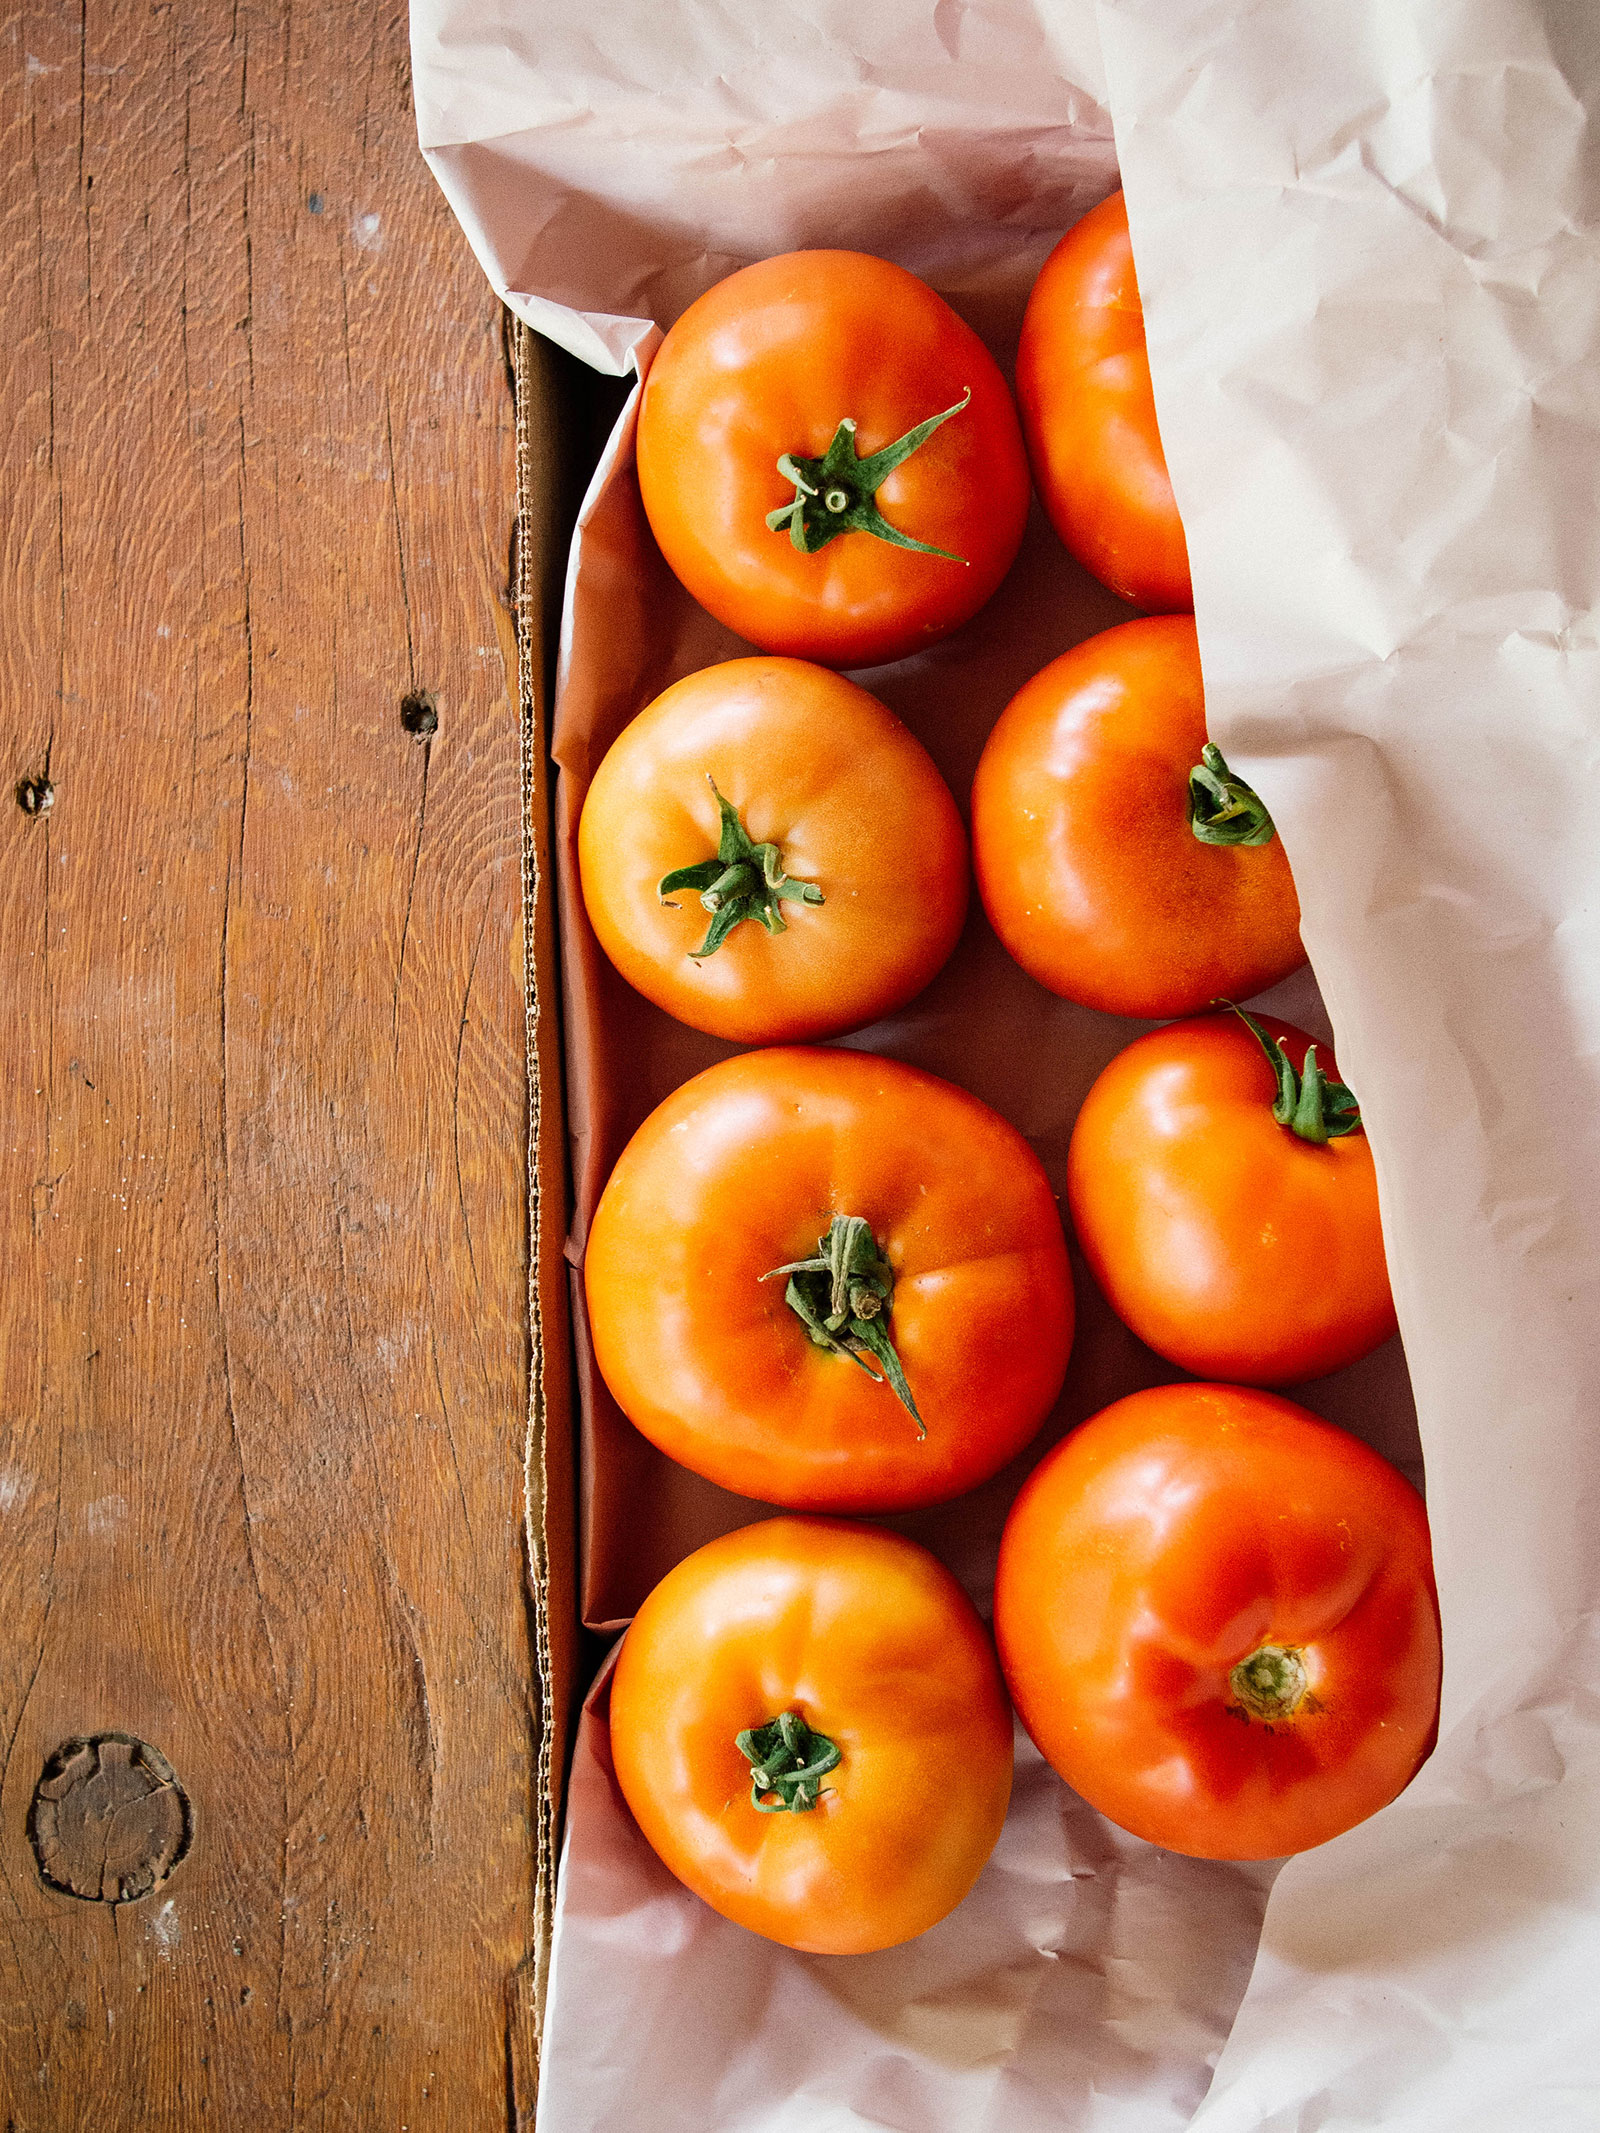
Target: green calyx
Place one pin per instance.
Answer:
(842, 1298)
(744, 880)
(838, 492)
(1222, 808)
(1308, 1103)
(787, 1764)
(1271, 1683)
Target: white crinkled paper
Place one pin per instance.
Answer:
(1365, 232)
(1367, 245)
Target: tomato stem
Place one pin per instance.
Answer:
(842, 1299)
(787, 1761)
(1271, 1683)
(838, 492)
(1308, 1103)
(1222, 808)
(744, 880)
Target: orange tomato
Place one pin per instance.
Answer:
(951, 1277)
(1216, 1617)
(866, 850)
(797, 381)
(1108, 864)
(799, 1645)
(1089, 414)
(1226, 1241)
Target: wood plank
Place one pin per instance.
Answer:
(263, 1352)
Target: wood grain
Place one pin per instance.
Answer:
(264, 1364)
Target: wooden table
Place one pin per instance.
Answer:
(264, 1335)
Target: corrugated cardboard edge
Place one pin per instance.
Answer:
(550, 1526)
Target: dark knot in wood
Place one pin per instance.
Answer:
(109, 1820)
(419, 714)
(36, 796)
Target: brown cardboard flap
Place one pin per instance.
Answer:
(548, 1444)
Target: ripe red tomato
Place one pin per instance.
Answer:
(1217, 1619)
(922, 1282)
(810, 429)
(1083, 380)
(778, 806)
(1227, 1241)
(1118, 859)
(808, 1723)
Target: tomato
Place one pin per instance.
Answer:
(843, 870)
(1089, 414)
(1119, 860)
(1216, 1617)
(1226, 1240)
(774, 391)
(827, 1280)
(808, 1644)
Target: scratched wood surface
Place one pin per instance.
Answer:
(264, 1359)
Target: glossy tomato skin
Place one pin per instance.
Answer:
(1089, 415)
(1165, 1541)
(821, 769)
(1086, 861)
(769, 362)
(878, 1648)
(1226, 1243)
(740, 1171)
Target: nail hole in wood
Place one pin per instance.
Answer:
(419, 714)
(109, 1819)
(36, 796)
